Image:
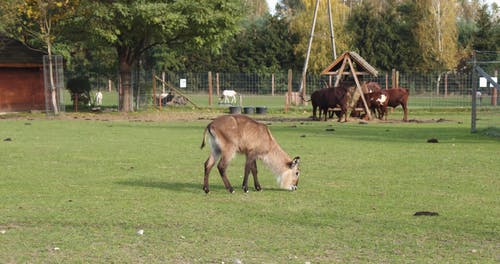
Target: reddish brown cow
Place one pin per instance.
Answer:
(396, 97)
(370, 87)
(377, 102)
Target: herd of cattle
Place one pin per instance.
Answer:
(346, 96)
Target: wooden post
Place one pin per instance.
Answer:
(217, 84)
(303, 94)
(445, 85)
(309, 45)
(272, 84)
(397, 79)
(289, 92)
(340, 72)
(358, 87)
(210, 88)
(154, 90)
(393, 78)
(494, 92)
(163, 83)
(332, 35)
(76, 102)
(386, 81)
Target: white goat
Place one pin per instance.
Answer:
(229, 96)
(98, 98)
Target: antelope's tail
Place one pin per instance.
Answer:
(204, 138)
(207, 129)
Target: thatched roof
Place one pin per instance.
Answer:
(13, 53)
(361, 66)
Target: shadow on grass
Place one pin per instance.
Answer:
(173, 186)
(187, 186)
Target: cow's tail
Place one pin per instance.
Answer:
(303, 99)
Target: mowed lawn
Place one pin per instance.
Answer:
(78, 191)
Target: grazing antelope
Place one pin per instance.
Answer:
(231, 134)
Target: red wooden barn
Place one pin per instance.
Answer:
(21, 77)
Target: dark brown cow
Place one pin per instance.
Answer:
(333, 97)
(316, 100)
(322, 98)
(330, 97)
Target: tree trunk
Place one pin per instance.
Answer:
(125, 75)
(53, 90)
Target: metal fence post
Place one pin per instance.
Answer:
(473, 128)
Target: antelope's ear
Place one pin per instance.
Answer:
(295, 162)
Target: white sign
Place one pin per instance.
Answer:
(183, 83)
(483, 81)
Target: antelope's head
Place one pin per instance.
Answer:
(290, 177)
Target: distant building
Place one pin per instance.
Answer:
(21, 77)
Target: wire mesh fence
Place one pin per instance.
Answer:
(205, 89)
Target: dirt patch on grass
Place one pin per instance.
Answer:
(163, 116)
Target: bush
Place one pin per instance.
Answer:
(79, 87)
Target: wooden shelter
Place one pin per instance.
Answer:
(351, 64)
(21, 77)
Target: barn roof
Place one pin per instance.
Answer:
(362, 67)
(14, 53)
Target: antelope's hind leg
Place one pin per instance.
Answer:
(244, 185)
(222, 166)
(209, 164)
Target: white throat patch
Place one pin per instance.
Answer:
(382, 99)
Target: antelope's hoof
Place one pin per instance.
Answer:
(205, 188)
(258, 188)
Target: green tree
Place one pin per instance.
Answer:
(483, 38)
(486, 37)
(362, 26)
(409, 55)
(437, 34)
(262, 46)
(134, 27)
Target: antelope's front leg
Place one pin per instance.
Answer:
(255, 179)
(248, 165)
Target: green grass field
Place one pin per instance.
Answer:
(78, 191)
